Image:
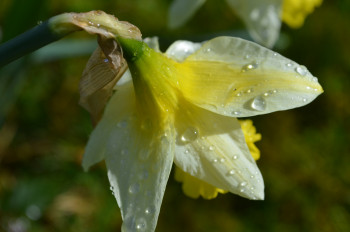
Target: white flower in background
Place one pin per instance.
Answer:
(181, 107)
(262, 17)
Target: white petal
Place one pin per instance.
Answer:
(139, 160)
(212, 148)
(182, 10)
(262, 18)
(124, 79)
(238, 78)
(152, 42)
(181, 49)
(96, 146)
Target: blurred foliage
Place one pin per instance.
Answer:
(305, 152)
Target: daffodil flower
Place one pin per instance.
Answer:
(262, 17)
(181, 107)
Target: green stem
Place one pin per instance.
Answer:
(27, 42)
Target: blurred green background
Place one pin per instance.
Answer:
(305, 152)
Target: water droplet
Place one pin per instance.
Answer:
(243, 184)
(266, 94)
(208, 50)
(112, 190)
(98, 25)
(241, 190)
(232, 172)
(211, 148)
(314, 79)
(149, 211)
(275, 54)
(304, 100)
(222, 160)
(106, 60)
(141, 224)
(301, 70)
(238, 94)
(251, 177)
(91, 23)
(289, 65)
(249, 67)
(189, 135)
(249, 90)
(235, 157)
(215, 160)
(246, 57)
(236, 113)
(258, 103)
(134, 188)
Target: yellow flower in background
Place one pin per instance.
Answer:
(261, 17)
(181, 107)
(294, 12)
(194, 187)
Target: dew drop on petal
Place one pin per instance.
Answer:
(258, 103)
(236, 113)
(243, 184)
(250, 66)
(222, 160)
(112, 190)
(289, 65)
(232, 172)
(301, 70)
(189, 135)
(149, 211)
(211, 148)
(106, 60)
(235, 157)
(141, 224)
(215, 160)
(134, 188)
